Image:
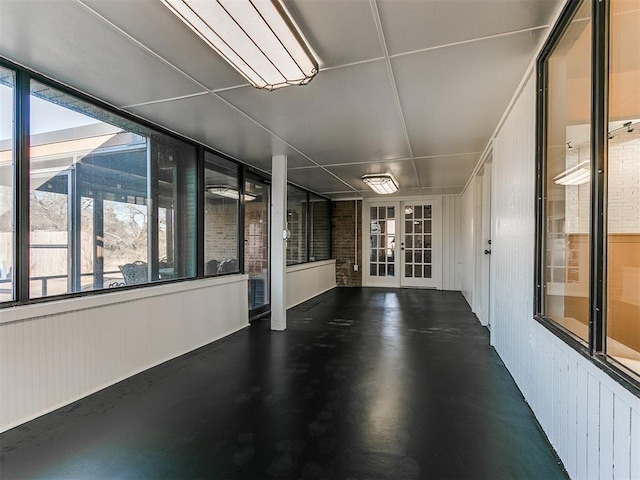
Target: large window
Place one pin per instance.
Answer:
(319, 228)
(297, 225)
(589, 208)
(7, 165)
(221, 215)
(111, 203)
(623, 186)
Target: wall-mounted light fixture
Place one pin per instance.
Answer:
(228, 191)
(577, 175)
(257, 37)
(382, 183)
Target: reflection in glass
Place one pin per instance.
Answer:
(623, 186)
(7, 206)
(221, 208)
(567, 195)
(256, 245)
(320, 222)
(297, 225)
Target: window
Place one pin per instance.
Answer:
(297, 225)
(112, 203)
(320, 228)
(567, 195)
(7, 166)
(623, 186)
(221, 215)
(589, 183)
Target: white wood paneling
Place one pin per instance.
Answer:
(450, 223)
(307, 280)
(55, 353)
(466, 258)
(591, 420)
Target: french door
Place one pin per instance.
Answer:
(403, 243)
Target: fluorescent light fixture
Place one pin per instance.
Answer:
(382, 183)
(257, 37)
(228, 191)
(577, 175)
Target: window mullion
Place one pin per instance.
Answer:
(21, 172)
(597, 329)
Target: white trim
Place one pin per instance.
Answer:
(307, 265)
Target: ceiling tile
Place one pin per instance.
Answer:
(318, 180)
(410, 25)
(462, 91)
(153, 25)
(211, 121)
(344, 115)
(339, 31)
(65, 41)
(451, 171)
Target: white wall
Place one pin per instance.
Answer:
(450, 231)
(591, 420)
(54, 353)
(307, 280)
(467, 238)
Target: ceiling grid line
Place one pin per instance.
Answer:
(394, 87)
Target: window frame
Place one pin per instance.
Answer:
(595, 350)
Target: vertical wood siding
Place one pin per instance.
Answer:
(592, 422)
(48, 361)
(450, 222)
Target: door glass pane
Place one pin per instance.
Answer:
(382, 270)
(7, 205)
(418, 211)
(568, 175)
(408, 256)
(373, 269)
(408, 226)
(623, 184)
(373, 213)
(256, 245)
(427, 271)
(382, 213)
(417, 226)
(391, 212)
(417, 271)
(382, 233)
(417, 241)
(417, 256)
(408, 271)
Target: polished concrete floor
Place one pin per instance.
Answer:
(364, 384)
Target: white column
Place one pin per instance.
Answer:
(278, 242)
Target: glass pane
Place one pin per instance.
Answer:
(418, 211)
(383, 226)
(297, 225)
(427, 271)
(256, 245)
(408, 212)
(382, 270)
(427, 241)
(391, 270)
(409, 241)
(623, 184)
(408, 226)
(374, 255)
(408, 271)
(373, 270)
(427, 256)
(319, 236)
(427, 211)
(7, 206)
(417, 271)
(373, 241)
(373, 213)
(568, 175)
(221, 205)
(417, 256)
(427, 226)
(382, 213)
(382, 255)
(408, 256)
(391, 212)
(417, 226)
(418, 241)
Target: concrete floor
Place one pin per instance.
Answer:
(364, 384)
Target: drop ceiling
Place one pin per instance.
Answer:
(411, 87)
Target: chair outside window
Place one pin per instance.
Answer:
(135, 273)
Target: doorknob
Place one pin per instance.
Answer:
(487, 252)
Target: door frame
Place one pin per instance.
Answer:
(437, 245)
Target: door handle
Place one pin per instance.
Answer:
(487, 252)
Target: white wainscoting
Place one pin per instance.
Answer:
(307, 280)
(450, 231)
(466, 243)
(54, 353)
(591, 420)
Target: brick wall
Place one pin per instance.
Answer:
(221, 229)
(343, 245)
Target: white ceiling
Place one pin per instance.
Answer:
(411, 87)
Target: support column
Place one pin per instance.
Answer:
(278, 242)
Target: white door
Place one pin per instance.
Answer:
(379, 237)
(421, 244)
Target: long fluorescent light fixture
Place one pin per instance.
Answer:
(577, 175)
(382, 183)
(228, 191)
(257, 37)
